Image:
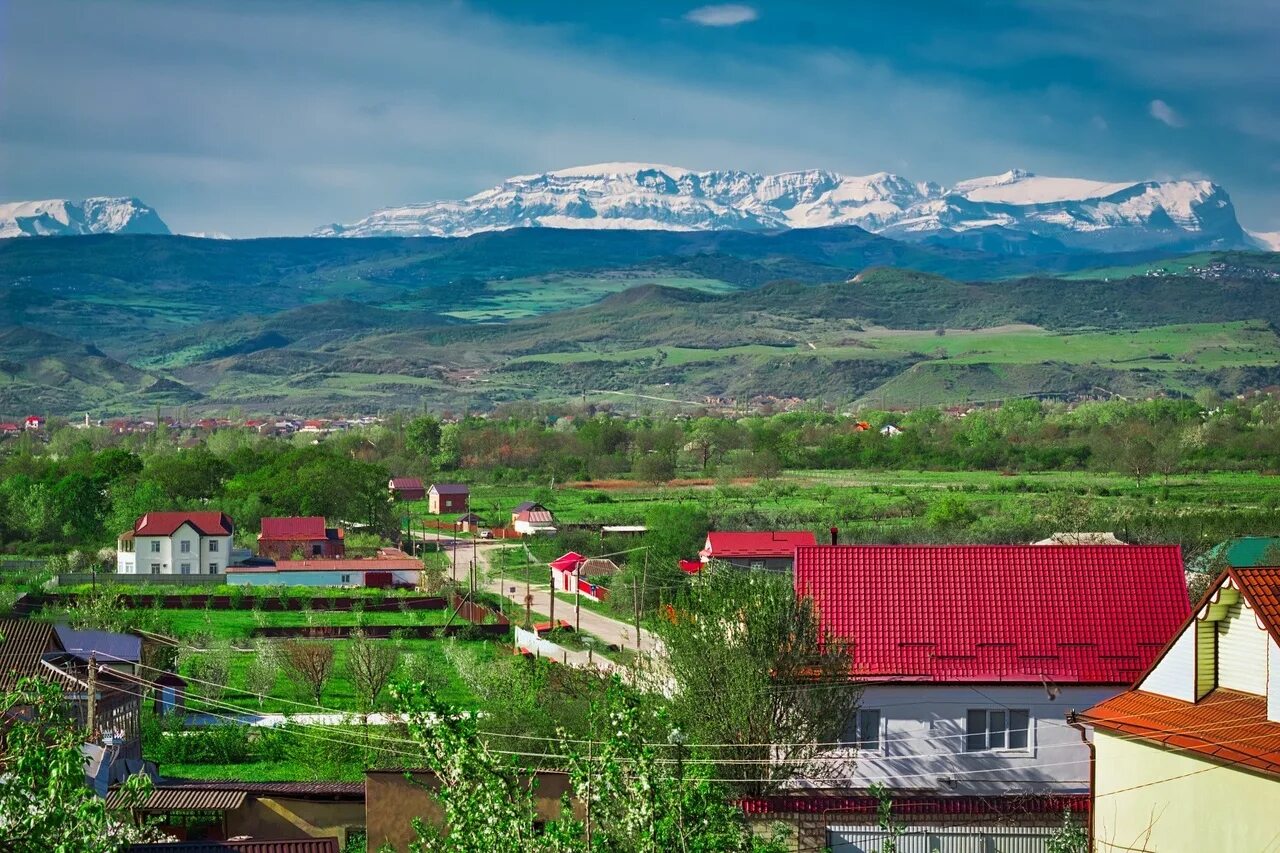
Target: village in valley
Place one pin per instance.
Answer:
(843, 656)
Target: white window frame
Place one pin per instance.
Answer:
(184, 546)
(997, 738)
(213, 546)
(155, 546)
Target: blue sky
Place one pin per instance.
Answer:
(274, 117)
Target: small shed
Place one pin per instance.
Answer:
(171, 693)
(448, 497)
(407, 489)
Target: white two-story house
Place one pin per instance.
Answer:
(176, 543)
(971, 657)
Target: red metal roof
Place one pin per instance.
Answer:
(292, 845)
(406, 483)
(691, 567)
(568, 562)
(1225, 725)
(165, 523)
(1084, 614)
(752, 543)
(295, 528)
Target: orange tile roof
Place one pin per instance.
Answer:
(1261, 587)
(1225, 726)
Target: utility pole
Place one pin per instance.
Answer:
(577, 599)
(642, 591)
(553, 601)
(93, 692)
(528, 601)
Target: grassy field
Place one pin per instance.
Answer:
(239, 624)
(532, 296)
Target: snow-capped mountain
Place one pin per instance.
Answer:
(59, 217)
(1066, 212)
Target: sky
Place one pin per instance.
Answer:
(264, 118)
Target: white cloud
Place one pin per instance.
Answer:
(1160, 111)
(722, 15)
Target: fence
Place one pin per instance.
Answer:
(545, 648)
(384, 632)
(22, 565)
(477, 614)
(137, 580)
(200, 601)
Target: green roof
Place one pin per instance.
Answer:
(1243, 553)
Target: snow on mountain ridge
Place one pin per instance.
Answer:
(1072, 211)
(60, 217)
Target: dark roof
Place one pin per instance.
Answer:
(111, 648)
(165, 523)
(826, 804)
(1075, 614)
(160, 800)
(525, 506)
(25, 640)
(449, 489)
(298, 528)
(298, 845)
(344, 790)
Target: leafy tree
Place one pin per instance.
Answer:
(654, 467)
(45, 804)
(1070, 837)
(422, 436)
(262, 673)
(747, 635)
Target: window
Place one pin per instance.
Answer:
(186, 568)
(1003, 729)
(346, 579)
(867, 735)
(213, 546)
(155, 546)
(757, 565)
(213, 568)
(315, 550)
(185, 546)
(155, 568)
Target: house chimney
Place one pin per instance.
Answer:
(835, 536)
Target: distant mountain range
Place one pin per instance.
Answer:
(60, 218)
(1016, 212)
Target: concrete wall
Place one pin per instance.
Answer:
(922, 741)
(283, 817)
(1185, 803)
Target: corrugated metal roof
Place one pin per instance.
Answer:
(823, 803)
(292, 845)
(170, 799)
(568, 562)
(406, 483)
(25, 640)
(297, 527)
(109, 646)
(1225, 725)
(165, 523)
(756, 543)
(449, 489)
(1085, 614)
(284, 789)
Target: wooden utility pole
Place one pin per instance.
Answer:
(93, 693)
(553, 601)
(642, 591)
(528, 600)
(577, 600)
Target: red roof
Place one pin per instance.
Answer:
(568, 562)
(295, 528)
(1225, 725)
(1261, 586)
(751, 543)
(406, 483)
(691, 567)
(165, 523)
(1083, 614)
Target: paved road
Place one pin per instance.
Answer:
(609, 630)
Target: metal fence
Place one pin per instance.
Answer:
(137, 580)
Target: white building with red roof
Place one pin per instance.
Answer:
(176, 543)
(773, 550)
(1189, 759)
(972, 657)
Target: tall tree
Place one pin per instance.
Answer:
(309, 664)
(370, 664)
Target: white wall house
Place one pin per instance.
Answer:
(176, 543)
(971, 658)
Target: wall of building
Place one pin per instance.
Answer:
(319, 577)
(286, 549)
(269, 818)
(922, 740)
(171, 557)
(1185, 803)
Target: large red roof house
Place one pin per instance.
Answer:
(176, 543)
(971, 656)
(300, 538)
(773, 550)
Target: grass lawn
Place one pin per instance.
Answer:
(239, 624)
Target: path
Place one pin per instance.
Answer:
(611, 631)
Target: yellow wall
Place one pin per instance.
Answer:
(1220, 808)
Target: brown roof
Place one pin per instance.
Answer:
(163, 799)
(282, 789)
(297, 845)
(406, 483)
(302, 528)
(1225, 726)
(25, 640)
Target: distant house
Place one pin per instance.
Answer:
(771, 550)
(176, 543)
(1189, 758)
(890, 430)
(119, 652)
(533, 519)
(33, 422)
(407, 489)
(447, 497)
(1240, 553)
(469, 522)
(285, 538)
(970, 657)
(1082, 538)
(10, 429)
(391, 568)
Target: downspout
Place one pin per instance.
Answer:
(1073, 720)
